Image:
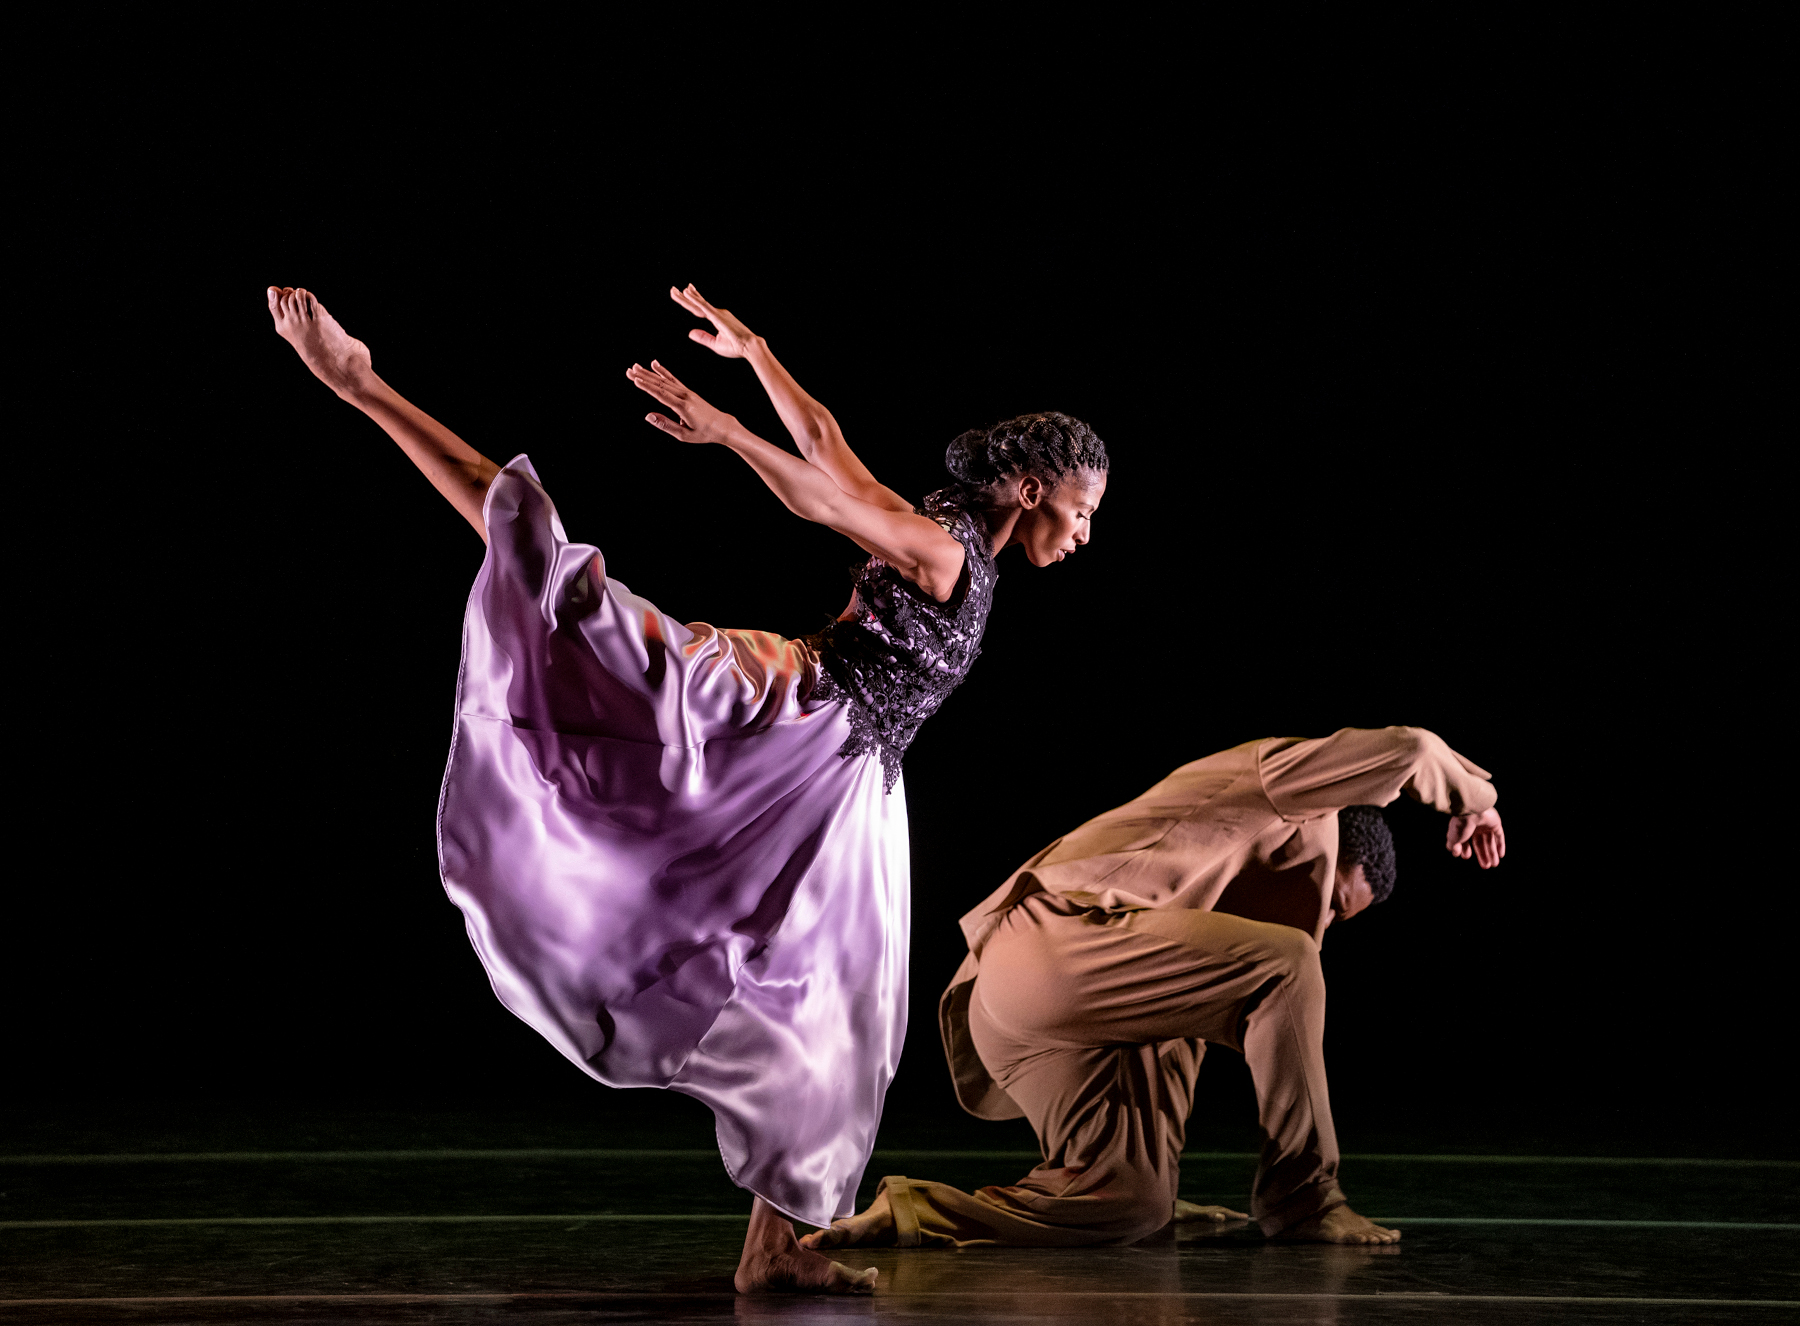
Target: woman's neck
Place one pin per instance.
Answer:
(1001, 523)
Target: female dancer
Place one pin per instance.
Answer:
(680, 851)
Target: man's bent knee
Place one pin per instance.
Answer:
(1291, 966)
(1292, 952)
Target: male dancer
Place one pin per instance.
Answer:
(1098, 972)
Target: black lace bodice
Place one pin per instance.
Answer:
(902, 652)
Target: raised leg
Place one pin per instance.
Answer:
(458, 471)
(774, 1262)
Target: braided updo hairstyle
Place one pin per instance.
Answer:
(1050, 446)
(1364, 840)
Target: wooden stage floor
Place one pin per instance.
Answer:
(646, 1234)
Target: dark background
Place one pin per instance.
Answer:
(1431, 401)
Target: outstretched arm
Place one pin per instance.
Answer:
(918, 548)
(814, 430)
(458, 471)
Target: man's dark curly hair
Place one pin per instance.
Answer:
(1049, 445)
(1364, 840)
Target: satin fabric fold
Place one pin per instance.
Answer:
(666, 866)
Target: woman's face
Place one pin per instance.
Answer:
(1056, 521)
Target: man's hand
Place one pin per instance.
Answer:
(1190, 1213)
(1479, 836)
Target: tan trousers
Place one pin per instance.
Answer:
(1095, 1023)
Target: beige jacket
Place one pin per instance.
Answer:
(1251, 831)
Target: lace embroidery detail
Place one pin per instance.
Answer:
(903, 652)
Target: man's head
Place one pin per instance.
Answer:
(1365, 862)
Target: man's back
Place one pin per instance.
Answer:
(1251, 831)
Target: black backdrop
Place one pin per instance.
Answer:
(1424, 419)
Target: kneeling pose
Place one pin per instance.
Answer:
(1097, 974)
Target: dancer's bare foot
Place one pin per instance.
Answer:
(873, 1227)
(1339, 1225)
(336, 357)
(774, 1262)
(1189, 1213)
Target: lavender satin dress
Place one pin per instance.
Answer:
(677, 851)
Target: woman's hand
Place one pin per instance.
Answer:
(699, 422)
(729, 337)
(1478, 836)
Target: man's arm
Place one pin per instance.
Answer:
(1370, 767)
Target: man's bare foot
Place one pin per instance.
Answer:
(1339, 1225)
(873, 1227)
(1188, 1212)
(336, 357)
(775, 1263)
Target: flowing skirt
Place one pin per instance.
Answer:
(665, 865)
